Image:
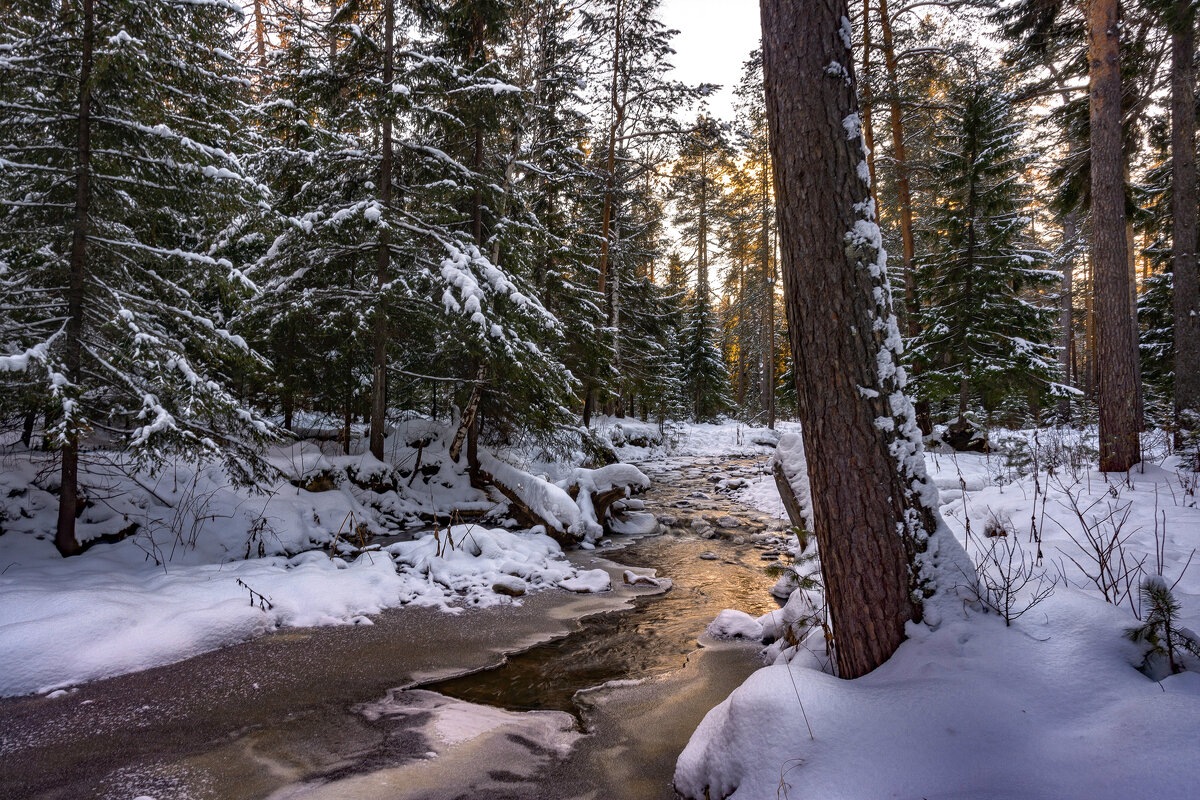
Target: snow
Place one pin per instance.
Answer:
(209, 564)
(970, 710)
(1052, 706)
(591, 580)
(734, 624)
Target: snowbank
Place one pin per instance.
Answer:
(638, 441)
(183, 562)
(567, 506)
(1053, 706)
(973, 709)
(66, 621)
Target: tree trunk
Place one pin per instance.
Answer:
(904, 195)
(865, 86)
(333, 12)
(868, 518)
(1183, 234)
(68, 499)
(1070, 240)
(1116, 350)
(27, 428)
(383, 255)
(468, 417)
(260, 36)
(788, 495)
(768, 290)
(610, 168)
(1131, 248)
(1089, 335)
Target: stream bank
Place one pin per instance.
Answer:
(318, 712)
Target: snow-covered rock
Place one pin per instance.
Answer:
(733, 624)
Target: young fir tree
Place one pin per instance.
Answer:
(118, 126)
(703, 375)
(985, 329)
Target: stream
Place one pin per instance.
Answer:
(563, 696)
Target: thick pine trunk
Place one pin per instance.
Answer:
(1183, 234)
(68, 501)
(1116, 349)
(860, 499)
(383, 255)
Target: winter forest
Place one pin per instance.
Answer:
(410, 399)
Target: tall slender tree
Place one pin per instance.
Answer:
(125, 158)
(1184, 210)
(1116, 349)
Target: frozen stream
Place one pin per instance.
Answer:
(597, 699)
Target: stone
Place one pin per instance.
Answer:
(511, 588)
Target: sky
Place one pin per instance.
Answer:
(715, 37)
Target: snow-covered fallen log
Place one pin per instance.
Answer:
(577, 509)
(790, 469)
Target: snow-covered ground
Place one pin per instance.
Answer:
(1054, 706)
(205, 564)
(208, 564)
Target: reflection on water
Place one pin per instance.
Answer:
(658, 633)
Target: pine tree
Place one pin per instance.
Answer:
(1116, 361)
(634, 104)
(118, 130)
(985, 327)
(872, 521)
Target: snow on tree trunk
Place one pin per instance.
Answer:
(872, 504)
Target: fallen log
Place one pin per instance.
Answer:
(788, 495)
(569, 512)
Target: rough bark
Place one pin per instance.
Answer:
(861, 494)
(68, 499)
(1116, 349)
(1184, 210)
(383, 254)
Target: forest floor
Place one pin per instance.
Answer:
(601, 699)
(1059, 704)
(464, 692)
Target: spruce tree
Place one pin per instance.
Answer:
(118, 126)
(703, 376)
(985, 328)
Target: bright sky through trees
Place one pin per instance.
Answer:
(715, 37)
